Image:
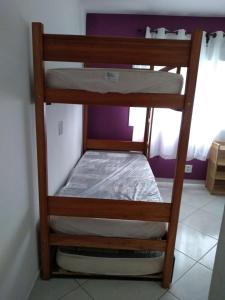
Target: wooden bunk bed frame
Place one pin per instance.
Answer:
(89, 49)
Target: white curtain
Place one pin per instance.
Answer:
(208, 121)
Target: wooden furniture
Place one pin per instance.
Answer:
(215, 179)
(171, 53)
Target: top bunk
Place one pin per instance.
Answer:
(124, 87)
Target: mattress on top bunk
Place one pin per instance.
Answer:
(115, 80)
(111, 175)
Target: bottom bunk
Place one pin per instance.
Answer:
(111, 175)
(110, 262)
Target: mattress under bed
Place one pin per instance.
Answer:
(110, 262)
(110, 175)
(114, 80)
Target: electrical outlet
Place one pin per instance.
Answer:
(60, 127)
(188, 169)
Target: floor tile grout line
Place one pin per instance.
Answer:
(175, 296)
(194, 228)
(205, 266)
(193, 212)
(163, 294)
(208, 251)
(205, 255)
(80, 284)
(214, 214)
(168, 291)
(197, 209)
(196, 260)
(185, 254)
(198, 231)
(69, 292)
(172, 284)
(188, 255)
(86, 291)
(202, 208)
(77, 281)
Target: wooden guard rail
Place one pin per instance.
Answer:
(57, 239)
(71, 96)
(108, 208)
(116, 50)
(115, 145)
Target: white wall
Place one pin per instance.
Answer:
(18, 179)
(63, 151)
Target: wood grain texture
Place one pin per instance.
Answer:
(114, 145)
(70, 96)
(57, 239)
(181, 155)
(113, 50)
(85, 127)
(37, 34)
(215, 178)
(150, 132)
(147, 131)
(108, 208)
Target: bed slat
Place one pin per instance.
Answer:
(116, 50)
(70, 96)
(115, 145)
(108, 208)
(57, 239)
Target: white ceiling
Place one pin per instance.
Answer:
(157, 7)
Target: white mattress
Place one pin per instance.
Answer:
(111, 175)
(122, 266)
(115, 80)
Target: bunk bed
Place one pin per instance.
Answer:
(76, 220)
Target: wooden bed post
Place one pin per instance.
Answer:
(38, 65)
(146, 134)
(85, 127)
(148, 131)
(181, 156)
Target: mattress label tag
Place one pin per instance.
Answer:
(112, 76)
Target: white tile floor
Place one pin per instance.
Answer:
(198, 230)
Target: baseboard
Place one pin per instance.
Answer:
(194, 181)
(186, 181)
(33, 283)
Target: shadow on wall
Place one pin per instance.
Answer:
(20, 251)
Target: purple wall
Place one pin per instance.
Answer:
(165, 168)
(129, 25)
(112, 123)
(109, 123)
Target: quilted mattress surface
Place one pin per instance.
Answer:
(111, 175)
